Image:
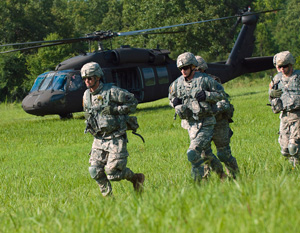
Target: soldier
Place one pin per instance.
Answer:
(106, 108)
(285, 98)
(223, 111)
(192, 96)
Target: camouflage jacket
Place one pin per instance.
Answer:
(107, 126)
(191, 109)
(290, 86)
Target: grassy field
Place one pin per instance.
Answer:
(46, 186)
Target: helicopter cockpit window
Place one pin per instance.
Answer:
(58, 82)
(75, 82)
(162, 74)
(46, 82)
(149, 76)
(38, 82)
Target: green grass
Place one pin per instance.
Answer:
(46, 187)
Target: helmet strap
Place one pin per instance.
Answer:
(192, 68)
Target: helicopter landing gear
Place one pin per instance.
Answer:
(66, 116)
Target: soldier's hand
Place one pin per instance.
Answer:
(201, 96)
(109, 110)
(275, 93)
(177, 101)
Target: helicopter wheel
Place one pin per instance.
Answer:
(66, 116)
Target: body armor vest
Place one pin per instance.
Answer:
(291, 91)
(187, 92)
(98, 124)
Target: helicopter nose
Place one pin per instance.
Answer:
(32, 105)
(43, 103)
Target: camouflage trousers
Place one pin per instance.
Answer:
(221, 138)
(289, 133)
(109, 159)
(200, 137)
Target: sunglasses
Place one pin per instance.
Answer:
(285, 66)
(88, 78)
(184, 68)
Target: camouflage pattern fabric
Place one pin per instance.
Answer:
(223, 112)
(109, 153)
(289, 130)
(197, 118)
(108, 126)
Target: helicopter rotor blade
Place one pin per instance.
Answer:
(138, 32)
(33, 47)
(103, 35)
(66, 41)
(157, 33)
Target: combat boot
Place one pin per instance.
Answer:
(105, 187)
(232, 168)
(137, 180)
(218, 168)
(222, 175)
(294, 161)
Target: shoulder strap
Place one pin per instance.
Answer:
(89, 98)
(106, 88)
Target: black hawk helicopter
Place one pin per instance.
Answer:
(147, 73)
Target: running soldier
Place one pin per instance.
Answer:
(106, 108)
(192, 95)
(284, 94)
(223, 111)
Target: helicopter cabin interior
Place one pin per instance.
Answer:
(146, 83)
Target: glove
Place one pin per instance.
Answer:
(109, 110)
(275, 93)
(177, 101)
(201, 96)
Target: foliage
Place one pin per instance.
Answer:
(12, 77)
(46, 186)
(47, 58)
(31, 20)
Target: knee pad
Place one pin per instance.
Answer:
(285, 152)
(96, 172)
(194, 157)
(293, 147)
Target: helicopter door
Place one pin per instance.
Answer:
(129, 79)
(156, 82)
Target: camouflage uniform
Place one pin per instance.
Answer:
(288, 104)
(109, 153)
(197, 118)
(223, 111)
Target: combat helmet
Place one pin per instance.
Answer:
(186, 59)
(274, 59)
(284, 58)
(201, 63)
(91, 69)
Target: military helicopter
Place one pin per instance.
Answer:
(147, 73)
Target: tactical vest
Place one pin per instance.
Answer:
(191, 109)
(98, 124)
(291, 91)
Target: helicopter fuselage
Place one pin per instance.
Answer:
(145, 73)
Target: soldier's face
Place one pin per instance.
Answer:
(186, 71)
(91, 82)
(286, 70)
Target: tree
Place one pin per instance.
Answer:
(12, 77)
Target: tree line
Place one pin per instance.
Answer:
(36, 20)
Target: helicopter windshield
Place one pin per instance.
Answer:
(46, 81)
(58, 82)
(38, 81)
